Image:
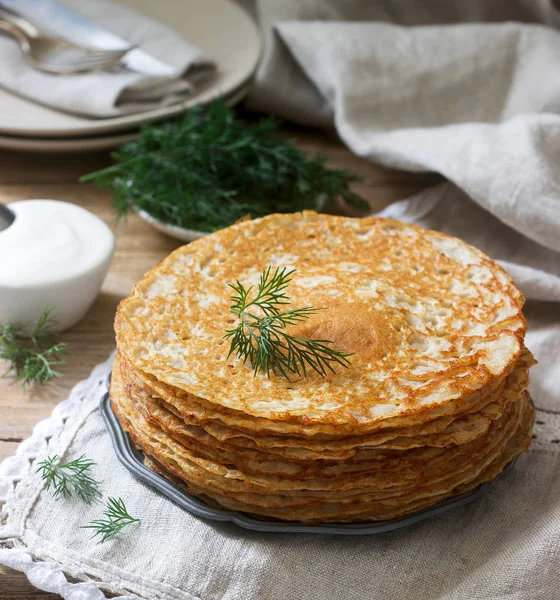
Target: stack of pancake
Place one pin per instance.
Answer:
(433, 404)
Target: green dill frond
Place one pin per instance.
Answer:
(262, 340)
(209, 168)
(116, 518)
(33, 357)
(69, 479)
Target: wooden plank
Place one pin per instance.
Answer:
(15, 586)
(25, 167)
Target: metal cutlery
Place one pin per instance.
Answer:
(54, 55)
(7, 216)
(62, 21)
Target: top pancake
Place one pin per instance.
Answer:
(428, 318)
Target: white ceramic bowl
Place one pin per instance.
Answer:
(55, 254)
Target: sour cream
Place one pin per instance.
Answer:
(54, 254)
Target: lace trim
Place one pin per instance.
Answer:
(47, 576)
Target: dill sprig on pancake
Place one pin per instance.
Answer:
(32, 357)
(262, 340)
(210, 168)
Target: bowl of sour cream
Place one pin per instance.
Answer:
(54, 254)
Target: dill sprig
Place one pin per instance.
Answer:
(262, 340)
(33, 357)
(117, 518)
(70, 479)
(209, 168)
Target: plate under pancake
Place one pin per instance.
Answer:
(133, 460)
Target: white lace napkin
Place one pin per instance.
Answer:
(106, 94)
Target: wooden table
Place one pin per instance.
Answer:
(138, 248)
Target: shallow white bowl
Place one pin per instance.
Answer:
(185, 235)
(72, 289)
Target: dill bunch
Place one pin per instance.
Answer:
(69, 479)
(209, 169)
(262, 339)
(116, 518)
(33, 357)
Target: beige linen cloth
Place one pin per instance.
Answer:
(475, 102)
(112, 94)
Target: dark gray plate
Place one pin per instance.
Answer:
(133, 459)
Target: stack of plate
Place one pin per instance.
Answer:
(434, 402)
(219, 27)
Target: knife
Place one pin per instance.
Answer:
(63, 22)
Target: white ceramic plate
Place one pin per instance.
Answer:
(88, 144)
(102, 142)
(220, 27)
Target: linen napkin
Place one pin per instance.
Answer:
(505, 545)
(111, 94)
(476, 102)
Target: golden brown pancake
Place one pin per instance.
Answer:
(429, 318)
(433, 404)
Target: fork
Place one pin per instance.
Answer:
(54, 55)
